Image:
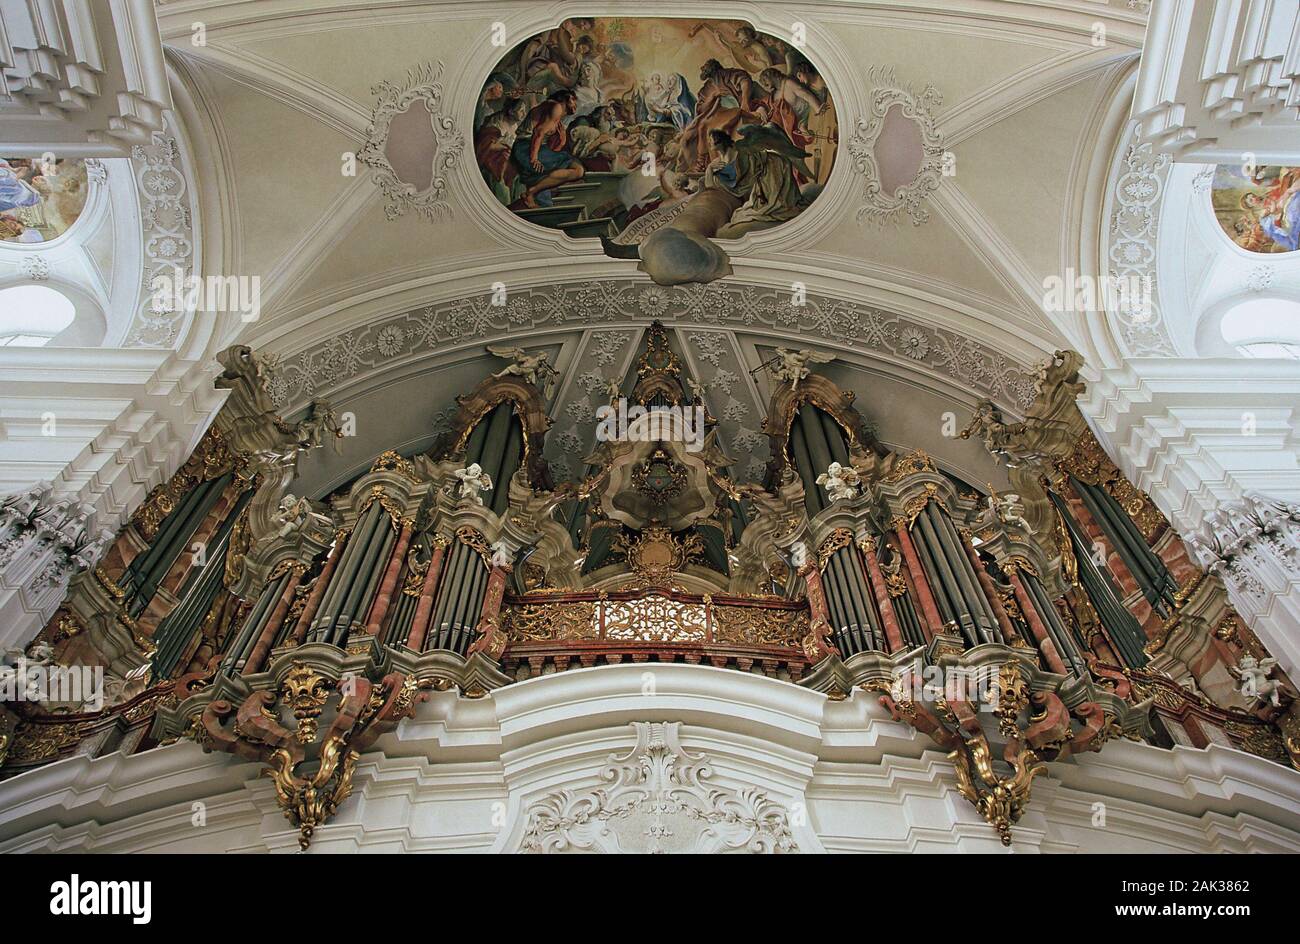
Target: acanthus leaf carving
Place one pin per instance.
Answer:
(659, 798)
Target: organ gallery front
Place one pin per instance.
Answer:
(1013, 633)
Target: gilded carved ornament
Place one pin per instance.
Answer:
(1031, 718)
(396, 518)
(1088, 463)
(475, 541)
(839, 538)
(312, 772)
(394, 462)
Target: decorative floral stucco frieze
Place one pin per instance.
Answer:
(882, 206)
(167, 228)
(475, 320)
(422, 89)
(658, 798)
(1134, 220)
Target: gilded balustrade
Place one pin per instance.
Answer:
(661, 621)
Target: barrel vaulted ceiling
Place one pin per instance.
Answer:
(932, 312)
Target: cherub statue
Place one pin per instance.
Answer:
(292, 513)
(799, 555)
(40, 653)
(118, 690)
(1060, 370)
(502, 556)
(1008, 509)
(841, 482)
(1255, 682)
(536, 368)
(696, 388)
(792, 366)
(17, 680)
(988, 424)
(320, 422)
(472, 481)
(613, 390)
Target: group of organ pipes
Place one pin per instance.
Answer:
(1073, 589)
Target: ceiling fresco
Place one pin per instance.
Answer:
(1258, 207)
(656, 135)
(39, 200)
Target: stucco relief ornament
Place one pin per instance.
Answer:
(890, 205)
(444, 144)
(659, 799)
(1135, 214)
(168, 234)
(462, 321)
(36, 268)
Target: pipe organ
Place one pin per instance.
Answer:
(850, 567)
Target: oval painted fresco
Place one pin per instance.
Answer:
(39, 200)
(1259, 208)
(609, 126)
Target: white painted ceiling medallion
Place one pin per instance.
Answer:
(897, 148)
(659, 799)
(411, 144)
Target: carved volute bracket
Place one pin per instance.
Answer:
(1000, 718)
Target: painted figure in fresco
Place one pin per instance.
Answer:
(551, 58)
(666, 98)
(609, 124)
(17, 193)
(15, 189)
(493, 142)
(540, 151)
(1259, 207)
(711, 111)
(750, 51)
(784, 93)
(1283, 225)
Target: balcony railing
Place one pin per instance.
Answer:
(664, 624)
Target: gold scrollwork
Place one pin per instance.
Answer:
(1089, 463)
(305, 692)
(471, 538)
(918, 460)
(752, 626)
(379, 494)
(546, 622)
(840, 537)
(655, 618)
(393, 462)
